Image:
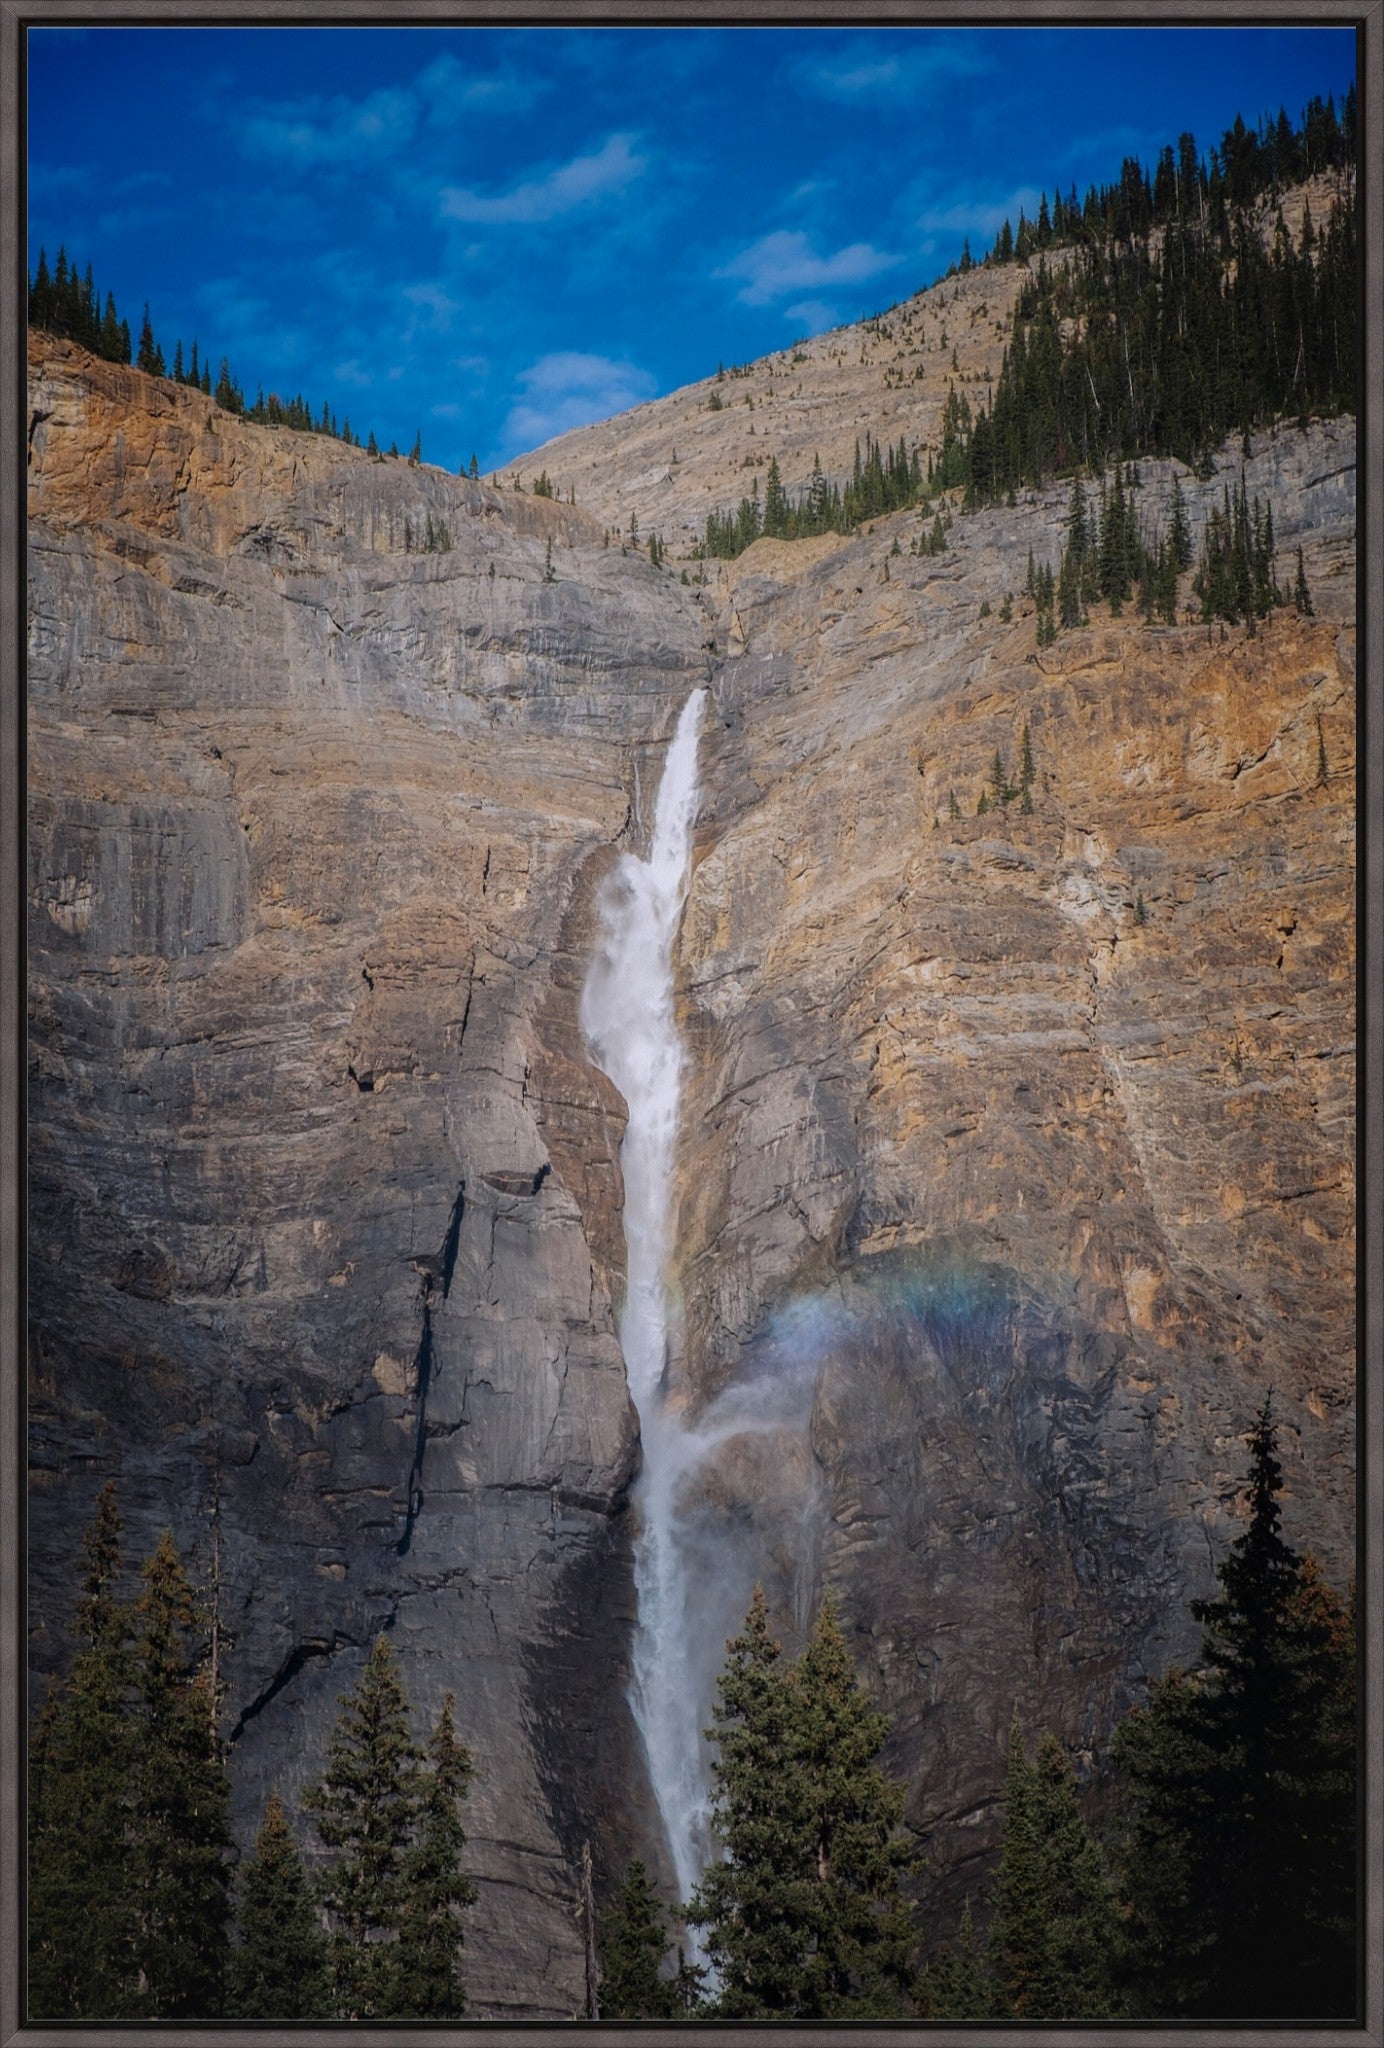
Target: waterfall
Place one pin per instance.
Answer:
(627, 1015)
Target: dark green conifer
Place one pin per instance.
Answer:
(424, 1969)
(1239, 1863)
(279, 1971)
(1302, 596)
(775, 502)
(862, 1967)
(805, 1918)
(756, 1903)
(633, 1944)
(147, 356)
(83, 1928)
(956, 1984)
(181, 1831)
(365, 1808)
(1054, 1925)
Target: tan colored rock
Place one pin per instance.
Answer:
(1019, 1203)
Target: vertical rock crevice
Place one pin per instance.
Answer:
(437, 1280)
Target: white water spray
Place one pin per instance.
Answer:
(627, 1015)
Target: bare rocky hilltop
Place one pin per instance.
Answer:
(1018, 1147)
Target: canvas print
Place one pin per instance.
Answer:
(691, 977)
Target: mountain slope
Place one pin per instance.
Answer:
(1022, 1197)
(672, 461)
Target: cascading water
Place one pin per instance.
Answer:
(627, 1015)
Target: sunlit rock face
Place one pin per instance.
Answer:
(997, 1204)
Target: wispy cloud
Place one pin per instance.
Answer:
(785, 262)
(448, 86)
(241, 322)
(569, 389)
(813, 316)
(341, 130)
(886, 71)
(976, 214)
(1106, 144)
(612, 169)
(431, 300)
(338, 131)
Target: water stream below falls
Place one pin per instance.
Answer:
(628, 1016)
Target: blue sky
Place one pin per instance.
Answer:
(489, 236)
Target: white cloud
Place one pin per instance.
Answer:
(432, 300)
(893, 70)
(611, 170)
(447, 86)
(318, 129)
(338, 130)
(812, 316)
(569, 389)
(974, 215)
(786, 262)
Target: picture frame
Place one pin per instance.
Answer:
(16, 19)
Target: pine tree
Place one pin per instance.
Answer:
(424, 1977)
(83, 1931)
(805, 1917)
(1015, 1951)
(634, 1941)
(279, 1971)
(1180, 533)
(1082, 1920)
(775, 502)
(365, 1808)
(181, 1832)
(1239, 1862)
(956, 1984)
(863, 1963)
(1302, 596)
(148, 353)
(756, 1905)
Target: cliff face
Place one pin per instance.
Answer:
(1031, 1134)
(310, 833)
(1020, 1201)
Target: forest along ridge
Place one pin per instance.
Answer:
(1014, 986)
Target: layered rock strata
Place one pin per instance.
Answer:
(1017, 1152)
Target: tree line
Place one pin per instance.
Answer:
(1109, 555)
(1247, 165)
(1164, 323)
(1223, 1889)
(1126, 350)
(65, 302)
(136, 1910)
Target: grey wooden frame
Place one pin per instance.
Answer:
(16, 16)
